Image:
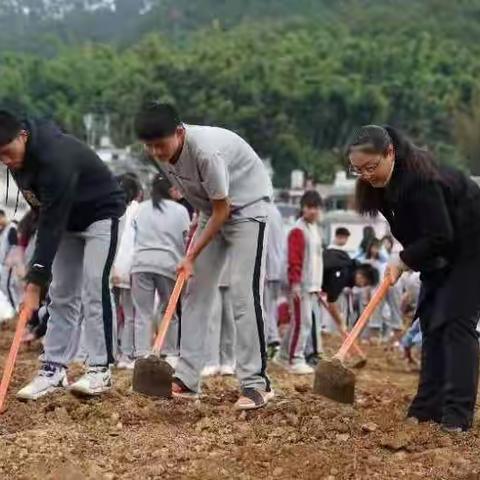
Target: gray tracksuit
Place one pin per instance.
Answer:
(216, 164)
(245, 243)
(221, 328)
(275, 271)
(159, 246)
(81, 277)
(122, 271)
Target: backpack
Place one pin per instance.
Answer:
(338, 272)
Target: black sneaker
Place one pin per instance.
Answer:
(313, 359)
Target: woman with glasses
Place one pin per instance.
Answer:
(434, 212)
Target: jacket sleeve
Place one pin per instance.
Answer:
(296, 255)
(436, 230)
(57, 185)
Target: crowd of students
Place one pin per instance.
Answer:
(300, 272)
(89, 234)
(304, 277)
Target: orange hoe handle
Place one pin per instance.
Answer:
(173, 301)
(169, 312)
(23, 318)
(343, 331)
(364, 318)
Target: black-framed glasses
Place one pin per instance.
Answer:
(364, 171)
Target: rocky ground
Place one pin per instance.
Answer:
(298, 436)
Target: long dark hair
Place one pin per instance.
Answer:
(375, 242)
(160, 190)
(375, 139)
(131, 186)
(368, 236)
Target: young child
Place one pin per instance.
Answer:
(340, 239)
(160, 233)
(305, 272)
(79, 204)
(366, 278)
(338, 279)
(122, 269)
(222, 177)
(338, 276)
(387, 317)
(413, 336)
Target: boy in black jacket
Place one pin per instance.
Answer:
(79, 204)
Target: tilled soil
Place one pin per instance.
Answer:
(298, 436)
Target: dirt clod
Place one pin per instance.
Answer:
(369, 427)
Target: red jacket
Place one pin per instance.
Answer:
(296, 255)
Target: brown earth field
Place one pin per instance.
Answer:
(298, 436)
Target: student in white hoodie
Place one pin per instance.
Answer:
(122, 267)
(338, 248)
(161, 229)
(305, 277)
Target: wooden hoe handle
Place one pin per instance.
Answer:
(364, 318)
(23, 318)
(169, 312)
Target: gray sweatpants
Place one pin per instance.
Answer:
(270, 299)
(394, 319)
(244, 242)
(144, 287)
(220, 343)
(127, 336)
(299, 330)
(81, 284)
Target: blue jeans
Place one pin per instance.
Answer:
(413, 337)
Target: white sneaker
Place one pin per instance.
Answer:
(95, 381)
(300, 369)
(126, 363)
(227, 370)
(49, 378)
(210, 371)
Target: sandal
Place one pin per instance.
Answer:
(253, 398)
(180, 390)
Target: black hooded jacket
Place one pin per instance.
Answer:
(69, 185)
